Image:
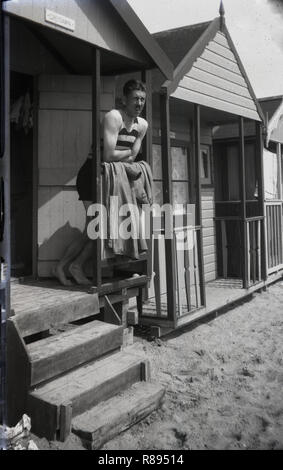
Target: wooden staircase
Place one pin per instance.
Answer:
(76, 377)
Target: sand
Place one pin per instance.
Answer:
(224, 383)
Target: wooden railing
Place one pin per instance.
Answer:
(254, 228)
(189, 282)
(229, 247)
(237, 257)
(189, 285)
(273, 211)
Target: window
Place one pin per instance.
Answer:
(180, 174)
(271, 174)
(205, 165)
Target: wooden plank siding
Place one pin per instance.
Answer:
(65, 115)
(215, 80)
(209, 237)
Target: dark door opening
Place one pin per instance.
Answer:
(21, 118)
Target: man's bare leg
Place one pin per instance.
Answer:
(76, 267)
(72, 252)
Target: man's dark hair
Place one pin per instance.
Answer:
(133, 85)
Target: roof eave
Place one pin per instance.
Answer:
(241, 67)
(152, 48)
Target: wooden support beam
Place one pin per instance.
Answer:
(66, 413)
(5, 243)
(197, 154)
(279, 147)
(261, 196)
(242, 173)
(35, 177)
(167, 199)
(147, 144)
(96, 160)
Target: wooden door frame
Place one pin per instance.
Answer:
(35, 180)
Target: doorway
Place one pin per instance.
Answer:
(21, 132)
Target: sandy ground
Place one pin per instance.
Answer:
(223, 380)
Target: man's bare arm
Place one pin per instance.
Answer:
(112, 123)
(137, 145)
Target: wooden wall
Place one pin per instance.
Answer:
(209, 235)
(216, 81)
(64, 140)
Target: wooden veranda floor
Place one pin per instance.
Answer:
(39, 295)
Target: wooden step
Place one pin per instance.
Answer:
(111, 417)
(54, 355)
(52, 405)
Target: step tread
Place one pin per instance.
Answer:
(107, 419)
(80, 335)
(71, 385)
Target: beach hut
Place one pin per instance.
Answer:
(272, 109)
(214, 252)
(59, 69)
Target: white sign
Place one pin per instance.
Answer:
(60, 20)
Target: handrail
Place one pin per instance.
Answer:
(253, 219)
(247, 219)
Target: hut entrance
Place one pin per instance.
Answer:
(231, 229)
(21, 173)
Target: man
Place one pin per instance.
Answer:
(123, 132)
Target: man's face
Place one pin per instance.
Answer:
(134, 103)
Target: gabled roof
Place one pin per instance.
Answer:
(186, 45)
(144, 36)
(270, 105)
(273, 110)
(178, 41)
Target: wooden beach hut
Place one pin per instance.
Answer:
(61, 60)
(272, 108)
(216, 253)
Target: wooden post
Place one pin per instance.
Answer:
(261, 196)
(35, 180)
(242, 174)
(279, 146)
(147, 145)
(197, 154)
(167, 199)
(147, 156)
(96, 160)
(5, 246)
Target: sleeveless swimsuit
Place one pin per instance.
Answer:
(125, 141)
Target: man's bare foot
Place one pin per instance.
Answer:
(58, 272)
(78, 275)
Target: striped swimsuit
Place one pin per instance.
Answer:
(125, 141)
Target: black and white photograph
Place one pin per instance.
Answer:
(141, 227)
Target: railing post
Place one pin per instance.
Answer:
(197, 153)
